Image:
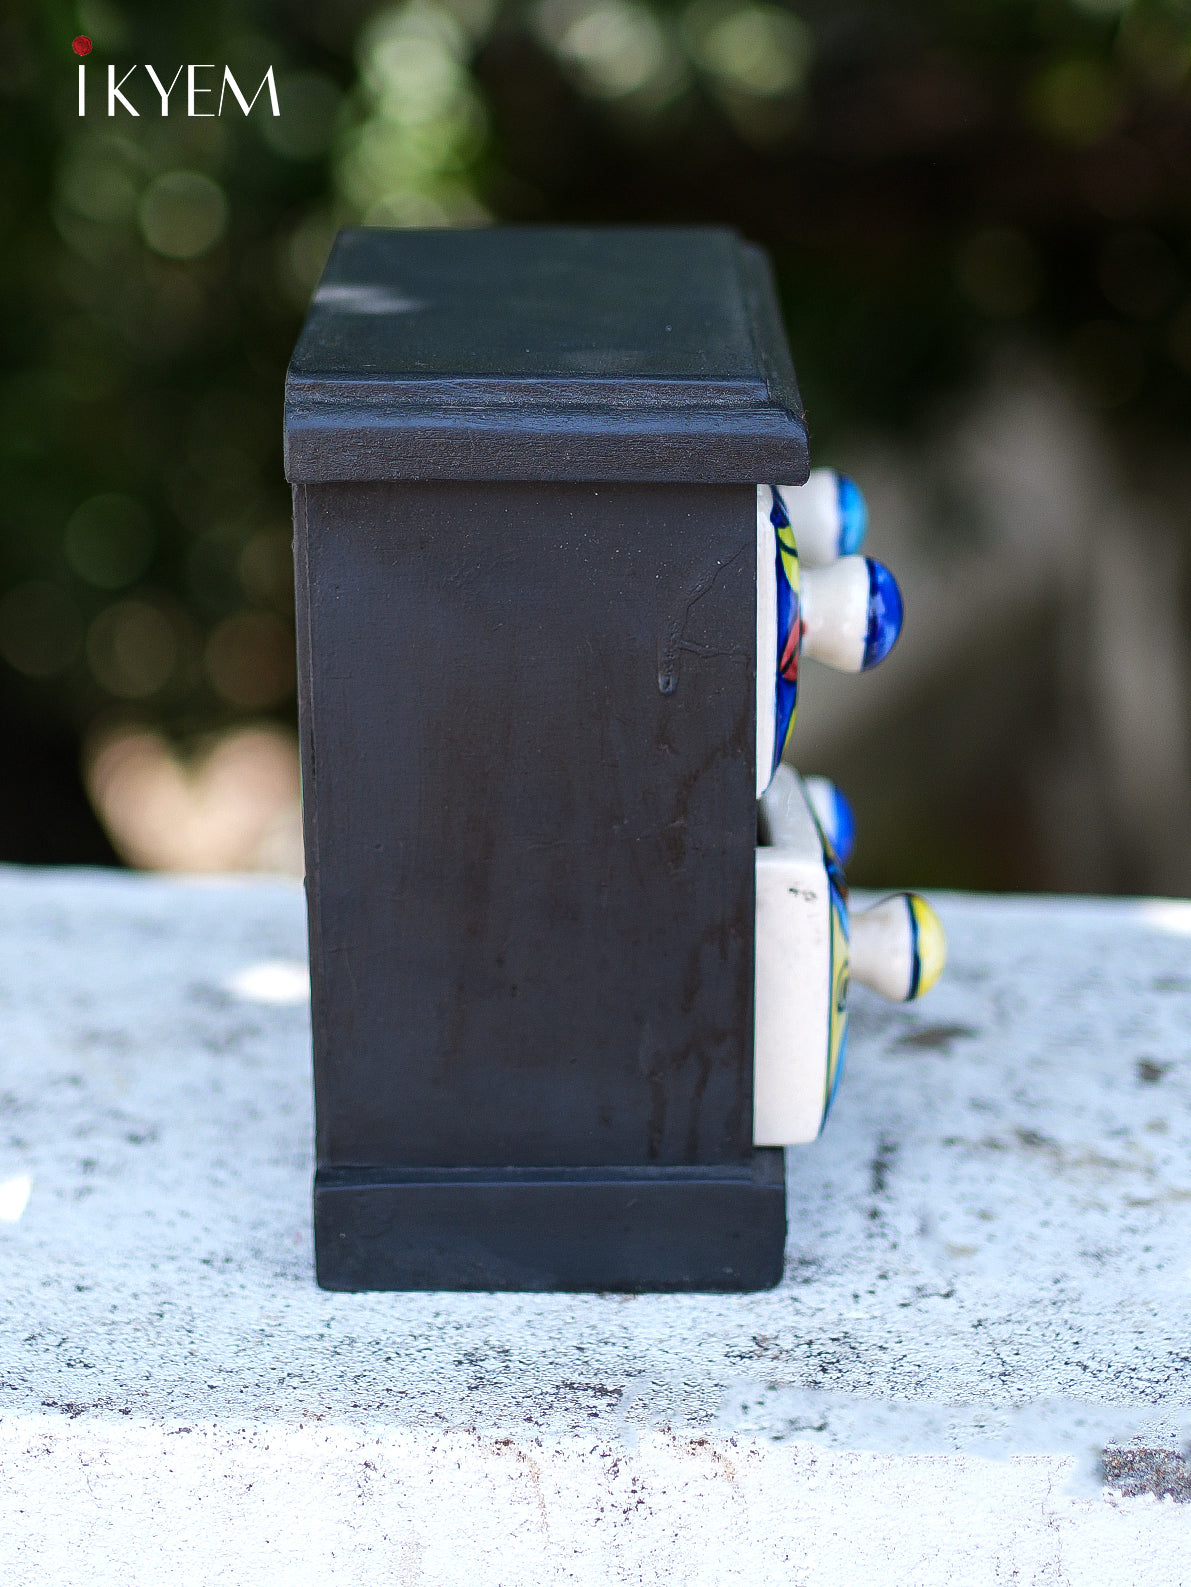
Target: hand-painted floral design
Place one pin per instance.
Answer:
(789, 624)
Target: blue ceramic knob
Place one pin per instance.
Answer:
(851, 613)
(834, 815)
(828, 516)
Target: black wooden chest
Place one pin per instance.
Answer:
(524, 468)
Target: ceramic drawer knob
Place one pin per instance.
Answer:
(782, 812)
(851, 613)
(897, 947)
(828, 515)
(834, 815)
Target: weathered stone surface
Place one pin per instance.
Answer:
(984, 1316)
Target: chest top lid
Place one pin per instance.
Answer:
(544, 353)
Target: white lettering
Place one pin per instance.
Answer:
(114, 93)
(192, 88)
(164, 93)
(245, 105)
(82, 89)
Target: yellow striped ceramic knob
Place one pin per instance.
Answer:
(897, 947)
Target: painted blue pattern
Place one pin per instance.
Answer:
(915, 960)
(843, 826)
(840, 1061)
(789, 625)
(837, 1037)
(884, 613)
(853, 515)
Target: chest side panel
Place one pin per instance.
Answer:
(528, 726)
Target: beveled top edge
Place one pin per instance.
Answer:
(563, 367)
(334, 390)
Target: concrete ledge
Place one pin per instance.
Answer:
(986, 1287)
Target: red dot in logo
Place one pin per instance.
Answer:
(81, 45)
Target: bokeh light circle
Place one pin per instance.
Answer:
(183, 214)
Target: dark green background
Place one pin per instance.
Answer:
(941, 186)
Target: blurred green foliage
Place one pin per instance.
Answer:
(932, 177)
